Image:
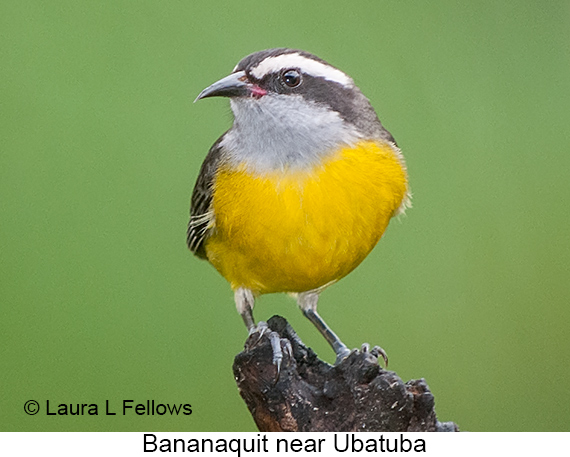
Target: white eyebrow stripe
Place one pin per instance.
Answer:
(306, 65)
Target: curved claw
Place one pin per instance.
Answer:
(261, 329)
(277, 354)
(378, 351)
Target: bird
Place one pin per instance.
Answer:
(300, 189)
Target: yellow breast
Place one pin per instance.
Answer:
(294, 231)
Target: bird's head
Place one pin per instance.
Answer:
(291, 107)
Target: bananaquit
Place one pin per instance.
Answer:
(300, 189)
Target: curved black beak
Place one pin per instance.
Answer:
(233, 85)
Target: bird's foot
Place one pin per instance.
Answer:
(262, 328)
(376, 351)
(343, 352)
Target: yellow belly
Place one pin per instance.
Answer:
(300, 230)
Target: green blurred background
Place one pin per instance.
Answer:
(100, 146)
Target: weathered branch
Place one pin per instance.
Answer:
(311, 395)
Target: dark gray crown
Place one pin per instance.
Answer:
(323, 84)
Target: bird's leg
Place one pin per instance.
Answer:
(245, 300)
(307, 301)
(244, 303)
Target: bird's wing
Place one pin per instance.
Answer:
(201, 213)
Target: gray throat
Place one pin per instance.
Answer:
(279, 132)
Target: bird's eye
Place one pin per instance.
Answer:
(291, 78)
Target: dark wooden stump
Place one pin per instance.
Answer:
(312, 396)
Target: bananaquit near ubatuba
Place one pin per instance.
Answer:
(300, 189)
